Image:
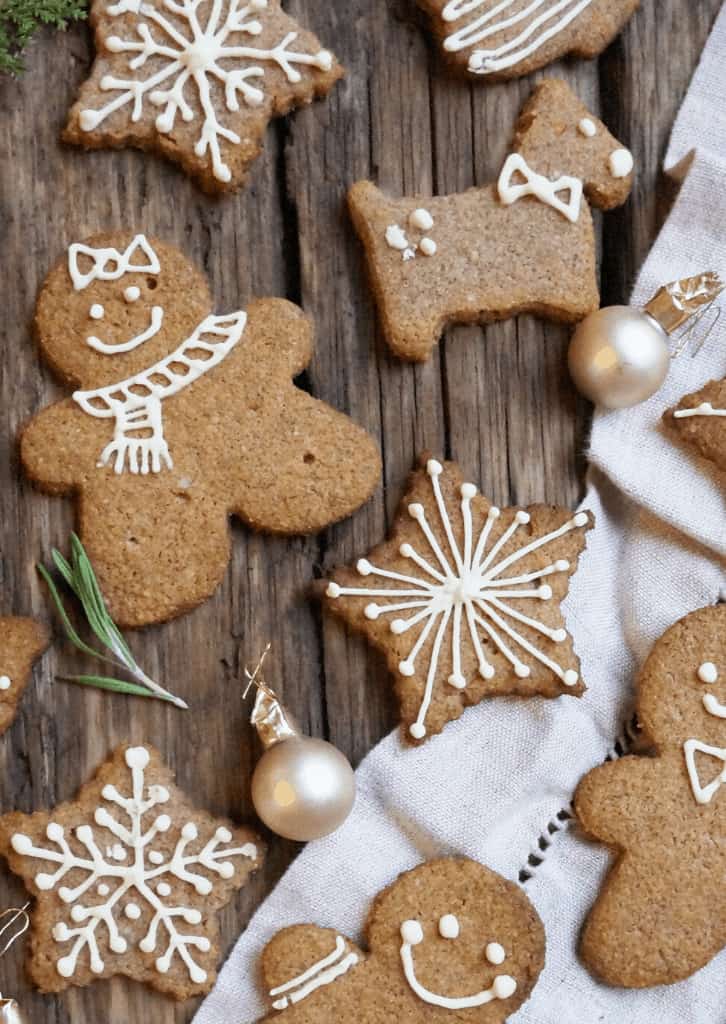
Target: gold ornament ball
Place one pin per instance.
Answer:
(303, 788)
(619, 357)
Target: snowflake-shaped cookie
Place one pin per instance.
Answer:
(127, 880)
(699, 420)
(197, 80)
(464, 599)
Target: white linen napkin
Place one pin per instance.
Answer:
(488, 786)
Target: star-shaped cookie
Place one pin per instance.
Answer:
(699, 420)
(21, 642)
(464, 599)
(127, 878)
(196, 80)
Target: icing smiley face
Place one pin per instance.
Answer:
(708, 674)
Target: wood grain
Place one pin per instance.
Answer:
(498, 400)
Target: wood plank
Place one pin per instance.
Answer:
(497, 399)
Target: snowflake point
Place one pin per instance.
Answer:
(371, 611)
(21, 843)
(406, 668)
(417, 730)
(457, 680)
(581, 519)
(570, 678)
(522, 671)
(333, 590)
(398, 626)
(434, 467)
(364, 567)
(544, 593)
(522, 517)
(468, 491)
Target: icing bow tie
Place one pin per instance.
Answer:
(110, 264)
(538, 185)
(704, 794)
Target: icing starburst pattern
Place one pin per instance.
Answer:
(131, 872)
(460, 592)
(201, 46)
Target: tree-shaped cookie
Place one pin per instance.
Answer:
(21, 642)
(449, 941)
(699, 420)
(128, 879)
(523, 245)
(180, 418)
(496, 39)
(196, 80)
(464, 599)
(659, 916)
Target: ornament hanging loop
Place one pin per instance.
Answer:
(16, 925)
(271, 720)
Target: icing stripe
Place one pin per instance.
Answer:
(321, 973)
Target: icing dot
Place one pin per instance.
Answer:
(587, 127)
(54, 831)
(417, 730)
(324, 60)
(65, 966)
(223, 835)
(371, 611)
(333, 590)
(21, 844)
(559, 636)
(118, 944)
(364, 567)
(495, 953)
(545, 592)
(5, 682)
(96, 311)
(60, 932)
(44, 882)
(449, 927)
(406, 550)
(457, 680)
(621, 163)
(412, 932)
(155, 857)
(190, 831)
(522, 517)
(132, 293)
(504, 986)
(398, 626)
(562, 565)
(428, 246)
(137, 757)
(468, 491)
(570, 677)
(581, 519)
(521, 671)
(494, 512)
(406, 668)
(132, 911)
(708, 673)
(103, 889)
(163, 889)
(434, 468)
(416, 510)
(421, 219)
(192, 916)
(396, 237)
(486, 671)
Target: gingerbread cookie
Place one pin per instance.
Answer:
(498, 39)
(658, 918)
(179, 419)
(21, 642)
(127, 879)
(450, 940)
(464, 599)
(523, 245)
(699, 420)
(195, 82)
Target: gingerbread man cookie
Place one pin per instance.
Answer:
(128, 879)
(699, 420)
(21, 642)
(496, 39)
(450, 940)
(464, 599)
(659, 917)
(523, 245)
(179, 419)
(196, 82)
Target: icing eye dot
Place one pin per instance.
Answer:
(4, 682)
(412, 932)
(132, 294)
(495, 953)
(587, 127)
(449, 927)
(707, 672)
(96, 311)
(621, 163)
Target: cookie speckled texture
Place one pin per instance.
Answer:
(333, 981)
(21, 642)
(491, 40)
(239, 438)
(196, 82)
(464, 599)
(490, 260)
(93, 918)
(699, 421)
(660, 915)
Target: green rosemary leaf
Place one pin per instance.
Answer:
(67, 624)
(106, 683)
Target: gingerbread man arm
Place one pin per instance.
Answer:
(50, 450)
(612, 802)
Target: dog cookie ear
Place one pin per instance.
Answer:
(302, 959)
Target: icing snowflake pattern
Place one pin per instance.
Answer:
(465, 593)
(132, 868)
(187, 49)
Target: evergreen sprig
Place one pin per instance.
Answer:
(20, 19)
(81, 579)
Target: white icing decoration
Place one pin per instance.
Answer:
(464, 588)
(396, 238)
(157, 318)
(5, 683)
(427, 246)
(495, 953)
(132, 293)
(155, 857)
(96, 312)
(538, 28)
(321, 973)
(502, 987)
(103, 889)
(133, 879)
(134, 412)
(587, 127)
(707, 672)
(449, 926)
(704, 409)
(110, 264)
(194, 47)
(537, 185)
(421, 219)
(703, 794)
(163, 889)
(621, 163)
(116, 852)
(132, 911)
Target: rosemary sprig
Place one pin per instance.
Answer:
(81, 579)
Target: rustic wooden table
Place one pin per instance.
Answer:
(497, 400)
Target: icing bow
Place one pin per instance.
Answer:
(109, 264)
(704, 794)
(538, 185)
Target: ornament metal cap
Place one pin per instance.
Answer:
(675, 303)
(15, 927)
(273, 722)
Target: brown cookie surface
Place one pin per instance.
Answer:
(179, 419)
(127, 879)
(448, 940)
(660, 914)
(522, 245)
(464, 599)
(197, 82)
(21, 642)
(699, 421)
(492, 40)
